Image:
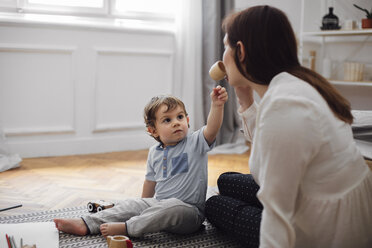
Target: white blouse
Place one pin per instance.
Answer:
(315, 186)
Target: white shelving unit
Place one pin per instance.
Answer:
(341, 32)
(362, 83)
(327, 42)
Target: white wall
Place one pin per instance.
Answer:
(74, 90)
(290, 7)
(79, 85)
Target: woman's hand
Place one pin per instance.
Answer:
(245, 97)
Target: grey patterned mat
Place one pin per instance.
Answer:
(205, 237)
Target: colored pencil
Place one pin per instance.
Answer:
(7, 240)
(13, 242)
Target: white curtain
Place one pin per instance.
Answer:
(213, 13)
(188, 82)
(199, 45)
(7, 160)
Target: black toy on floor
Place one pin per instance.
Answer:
(98, 206)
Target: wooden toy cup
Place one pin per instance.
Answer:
(119, 241)
(217, 71)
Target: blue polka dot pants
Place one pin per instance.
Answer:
(236, 211)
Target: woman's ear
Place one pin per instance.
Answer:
(240, 50)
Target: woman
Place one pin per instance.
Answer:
(311, 186)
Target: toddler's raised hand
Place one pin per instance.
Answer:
(219, 96)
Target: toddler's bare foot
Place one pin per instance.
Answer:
(72, 226)
(116, 228)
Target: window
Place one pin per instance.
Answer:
(70, 3)
(75, 7)
(162, 9)
(133, 9)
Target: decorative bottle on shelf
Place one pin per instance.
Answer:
(327, 68)
(330, 21)
(312, 60)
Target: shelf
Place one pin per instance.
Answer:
(366, 31)
(350, 83)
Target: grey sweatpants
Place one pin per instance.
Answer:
(145, 215)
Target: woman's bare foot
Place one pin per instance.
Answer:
(72, 226)
(117, 228)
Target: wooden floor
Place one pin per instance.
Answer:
(69, 181)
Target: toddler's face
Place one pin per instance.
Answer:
(170, 126)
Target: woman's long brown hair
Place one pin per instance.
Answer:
(271, 48)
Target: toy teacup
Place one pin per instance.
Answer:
(119, 241)
(217, 71)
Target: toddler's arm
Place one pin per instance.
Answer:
(219, 97)
(148, 190)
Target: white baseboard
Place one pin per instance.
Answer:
(84, 145)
